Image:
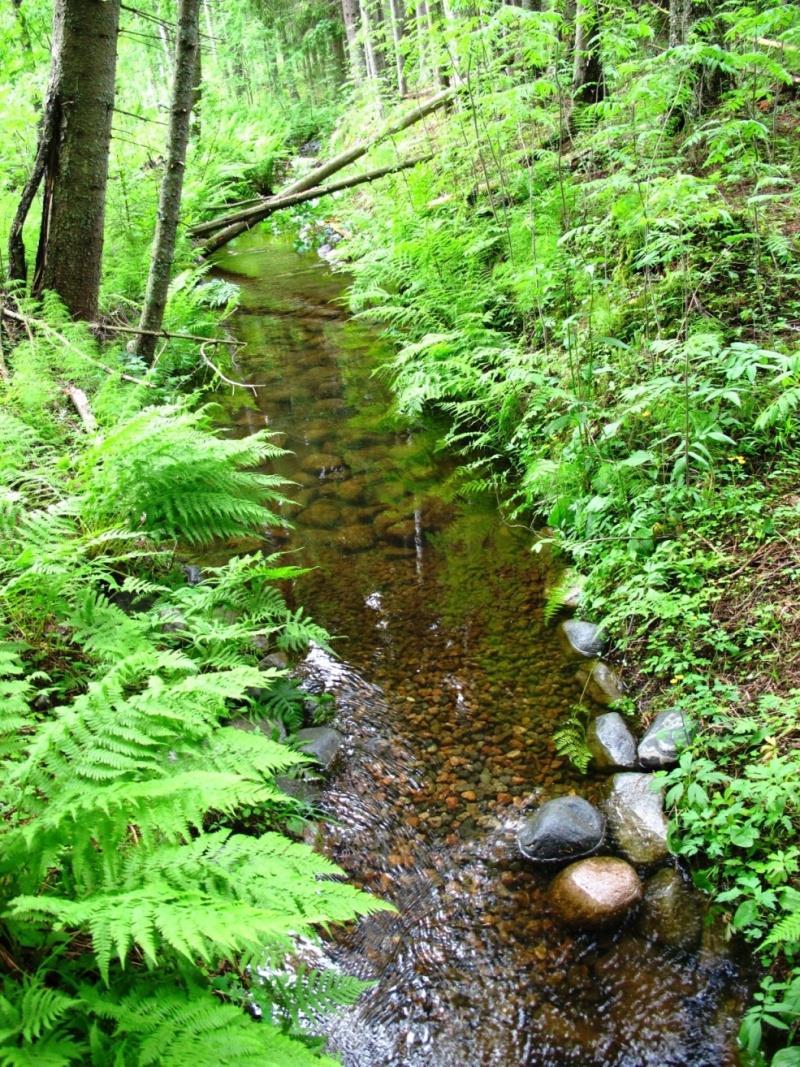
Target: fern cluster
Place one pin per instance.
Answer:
(131, 896)
(569, 738)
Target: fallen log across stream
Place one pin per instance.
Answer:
(243, 220)
(309, 187)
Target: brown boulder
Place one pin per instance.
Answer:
(595, 892)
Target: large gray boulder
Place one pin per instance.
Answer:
(672, 913)
(636, 818)
(321, 742)
(595, 892)
(670, 732)
(583, 638)
(562, 829)
(612, 745)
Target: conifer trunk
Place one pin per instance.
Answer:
(354, 51)
(72, 157)
(397, 11)
(184, 92)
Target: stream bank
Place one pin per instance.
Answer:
(448, 686)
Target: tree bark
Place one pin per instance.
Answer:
(72, 157)
(278, 203)
(587, 79)
(679, 16)
(397, 10)
(183, 96)
(375, 64)
(354, 50)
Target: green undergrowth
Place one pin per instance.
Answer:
(145, 874)
(604, 301)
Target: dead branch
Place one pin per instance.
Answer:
(246, 219)
(80, 402)
(28, 323)
(316, 176)
(168, 334)
(228, 381)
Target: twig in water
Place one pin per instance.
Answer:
(228, 381)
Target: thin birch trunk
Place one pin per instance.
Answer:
(398, 29)
(183, 95)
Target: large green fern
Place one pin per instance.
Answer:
(127, 888)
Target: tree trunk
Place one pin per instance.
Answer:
(679, 16)
(354, 50)
(169, 203)
(587, 79)
(371, 49)
(197, 95)
(397, 11)
(72, 157)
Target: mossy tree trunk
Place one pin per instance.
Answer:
(184, 94)
(72, 157)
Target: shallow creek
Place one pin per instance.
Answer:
(448, 686)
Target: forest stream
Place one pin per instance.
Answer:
(448, 686)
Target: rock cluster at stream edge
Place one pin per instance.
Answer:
(595, 891)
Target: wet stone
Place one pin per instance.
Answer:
(270, 728)
(601, 682)
(595, 892)
(562, 829)
(322, 464)
(583, 638)
(670, 732)
(672, 914)
(636, 818)
(612, 745)
(321, 742)
(322, 515)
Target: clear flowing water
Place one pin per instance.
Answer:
(448, 686)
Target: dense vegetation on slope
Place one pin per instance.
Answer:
(604, 299)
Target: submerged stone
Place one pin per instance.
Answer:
(583, 638)
(323, 514)
(670, 732)
(636, 818)
(354, 538)
(612, 745)
(401, 532)
(672, 912)
(595, 892)
(322, 464)
(562, 829)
